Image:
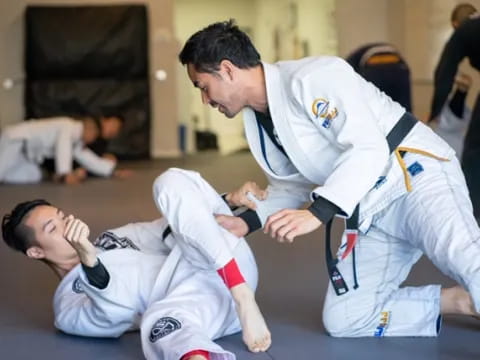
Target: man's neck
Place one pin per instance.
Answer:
(62, 269)
(257, 90)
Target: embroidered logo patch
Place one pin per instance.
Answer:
(415, 169)
(384, 320)
(163, 327)
(322, 108)
(77, 286)
(110, 241)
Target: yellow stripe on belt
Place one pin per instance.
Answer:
(397, 152)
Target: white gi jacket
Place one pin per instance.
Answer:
(59, 138)
(333, 126)
(139, 265)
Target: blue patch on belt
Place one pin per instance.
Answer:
(415, 168)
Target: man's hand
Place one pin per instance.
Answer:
(236, 225)
(71, 178)
(287, 224)
(463, 82)
(76, 233)
(239, 196)
(80, 173)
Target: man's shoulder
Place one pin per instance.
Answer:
(314, 65)
(468, 29)
(70, 282)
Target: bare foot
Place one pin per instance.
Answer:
(457, 301)
(256, 335)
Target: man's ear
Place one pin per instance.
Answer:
(228, 68)
(35, 252)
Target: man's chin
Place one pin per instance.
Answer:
(229, 114)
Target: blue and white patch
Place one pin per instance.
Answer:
(110, 241)
(164, 327)
(323, 109)
(382, 327)
(77, 286)
(415, 169)
(326, 123)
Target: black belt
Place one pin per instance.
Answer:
(394, 138)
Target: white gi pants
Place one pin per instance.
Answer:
(434, 219)
(15, 168)
(198, 306)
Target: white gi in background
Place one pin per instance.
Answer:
(166, 288)
(24, 146)
(452, 129)
(333, 126)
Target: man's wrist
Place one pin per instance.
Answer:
(89, 260)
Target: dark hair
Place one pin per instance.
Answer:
(219, 41)
(109, 114)
(15, 233)
(93, 119)
(462, 12)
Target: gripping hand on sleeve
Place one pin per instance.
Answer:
(239, 197)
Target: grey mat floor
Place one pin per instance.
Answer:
(292, 280)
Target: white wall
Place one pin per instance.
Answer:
(191, 16)
(360, 22)
(296, 24)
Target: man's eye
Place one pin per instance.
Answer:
(53, 229)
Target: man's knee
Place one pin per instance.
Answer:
(173, 180)
(340, 322)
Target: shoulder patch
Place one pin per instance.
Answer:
(164, 327)
(323, 109)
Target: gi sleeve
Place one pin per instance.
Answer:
(97, 275)
(453, 52)
(249, 216)
(91, 311)
(92, 162)
(281, 195)
(63, 149)
(351, 128)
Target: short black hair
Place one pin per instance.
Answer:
(219, 41)
(105, 115)
(462, 12)
(15, 233)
